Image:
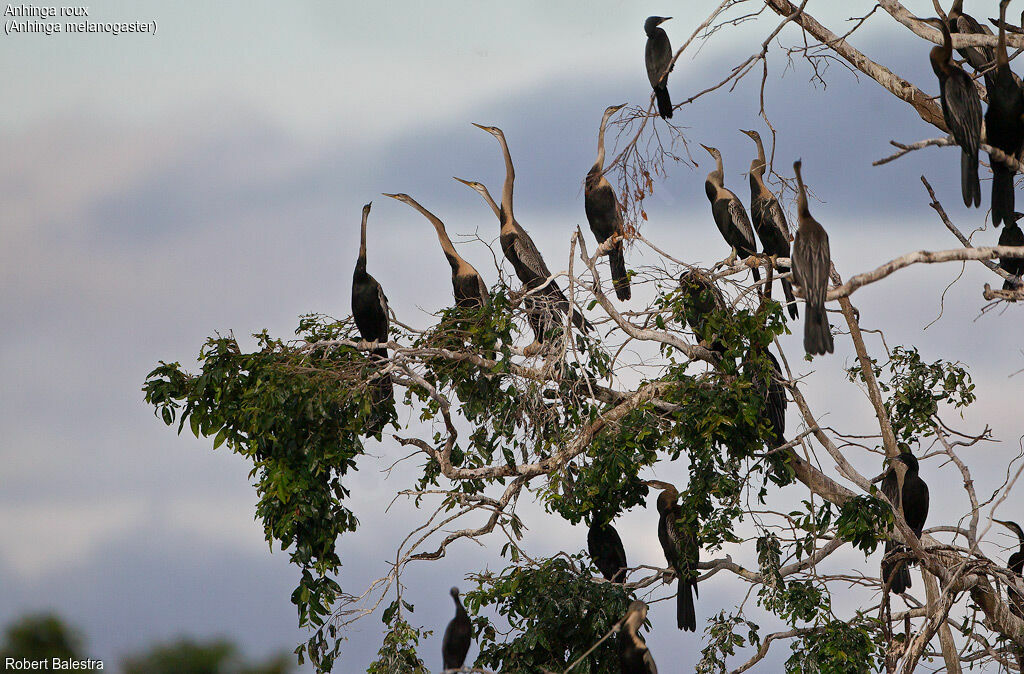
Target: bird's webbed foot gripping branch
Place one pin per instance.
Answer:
(658, 393)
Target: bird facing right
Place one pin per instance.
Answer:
(658, 58)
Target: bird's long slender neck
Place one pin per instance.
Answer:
(490, 202)
(446, 244)
(717, 177)
(1002, 60)
(943, 55)
(599, 164)
(757, 170)
(506, 190)
(801, 197)
(361, 260)
(460, 610)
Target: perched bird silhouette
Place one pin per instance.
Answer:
(812, 262)
(634, 656)
(914, 501)
(729, 213)
(605, 548)
(658, 57)
(455, 643)
(602, 210)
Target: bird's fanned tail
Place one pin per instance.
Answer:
(686, 616)
(817, 331)
(970, 185)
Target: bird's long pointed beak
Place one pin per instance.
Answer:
(707, 148)
(385, 194)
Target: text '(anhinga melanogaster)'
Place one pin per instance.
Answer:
(679, 543)
(769, 219)
(729, 213)
(634, 656)
(455, 643)
(519, 248)
(467, 284)
(961, 108)
(1015, 564)
(602, 210)
(1004, 126)
(658, 57)
(370, 311)
(914, 502)
(605, 548)
(812, 262)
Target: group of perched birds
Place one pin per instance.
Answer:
(1004, 118)
(809, 269)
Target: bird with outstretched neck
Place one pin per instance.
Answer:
(634, 656)
(602, 210)
(961, 109)
(729, 213)
(467, 284)
(1004, 126)
(812, 262)
(658, 58)
(370, 311)
(913, 501)
(457, 635)
(769, 219)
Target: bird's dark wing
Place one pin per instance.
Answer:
(777, 217)
(812, 261)
(657, 56)
(526, 251)
(961, 107)
(711, 191)
(742, 223)
(649, 663)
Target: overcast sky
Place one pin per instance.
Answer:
(159, 188)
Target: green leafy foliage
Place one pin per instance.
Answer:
(191, 656)
(40, 637)
(837, 647)
(398, 652)
(288, 412)
(556, 612)
(915, 390)
(863, 521)
(723, 638)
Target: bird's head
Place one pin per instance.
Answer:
(653, 22)
(404, 198)
(712, 151)
(454, 592)
(612, 109)
(753, 135)
(1012, 526)
(493, 130)
(639, 609)
(907, 458)
(478, 187)
(366, 209)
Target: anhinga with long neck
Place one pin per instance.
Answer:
(980, 58)
(700, 297)
(1004, 127)
(519, 248)
(914, 501)
(605, 548)
(658, 58)
(729, 213)
(467, 284)
(1016, 564)
(679, 543)
(961, 108)
(1012, 236)
(370, 311)
(768, 217)
(457, 635)
(603, 211)
(812, 262)
(634, 656)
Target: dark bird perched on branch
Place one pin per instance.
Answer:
(812, 262)
(519, 248)
(1016, 564)
(467, 284)
(701, 297)
(457, 635)
(1004, 127)
(914, 501)
(769, 219)
(961, 108)
(370, 310)
(980, 58)
(658, 57)
(603, 211)
(606, 550)
(679, 544)
(634, 657)
(1012, 236)
(730, 216)
(774, 399)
